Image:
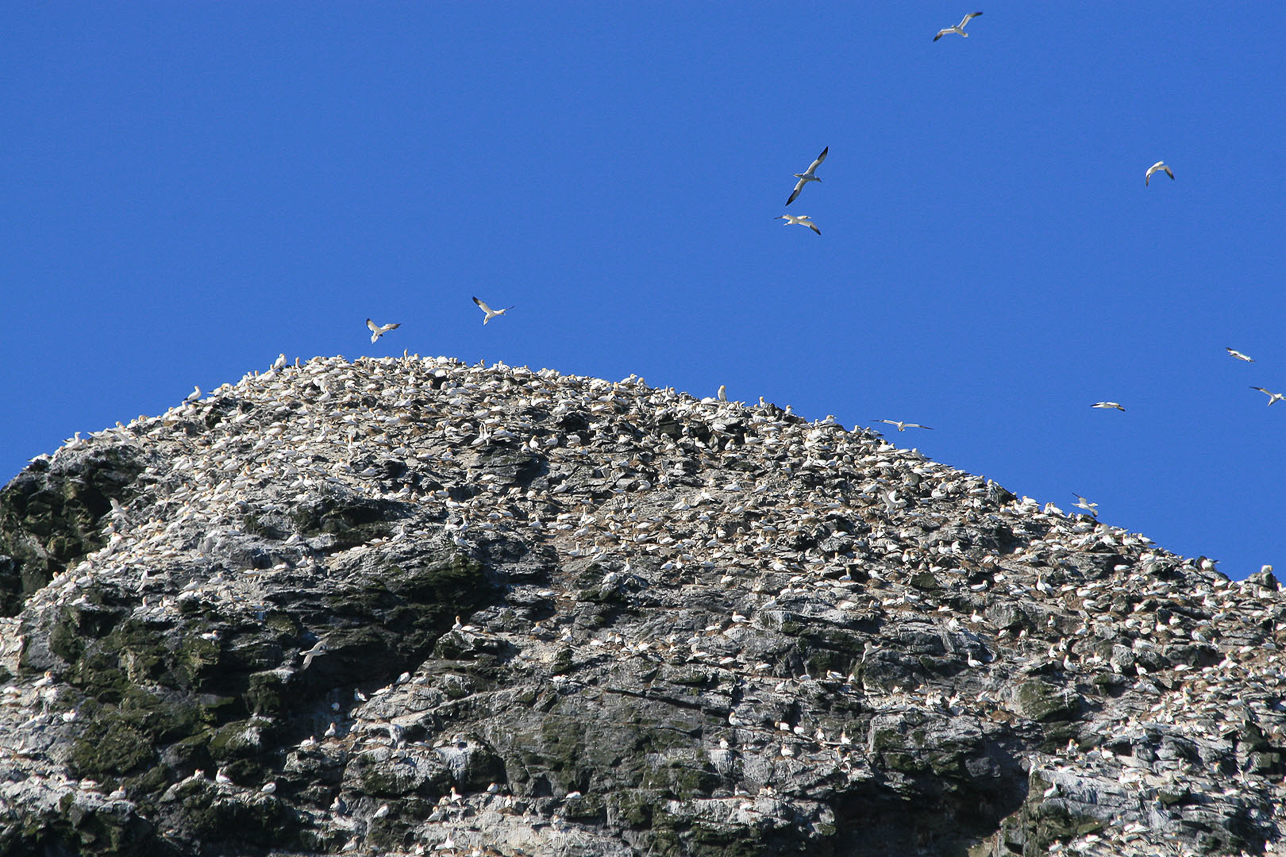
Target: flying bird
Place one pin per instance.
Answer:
(1159, 165)
(958, 28)
(801, 220)
(1108, 405)
(378, 330)
(490, 313)
(807, 176)
(1082, 503)
(903, 426)
(1239, 355)
(1272, 397)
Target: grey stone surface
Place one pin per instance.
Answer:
(412, 606)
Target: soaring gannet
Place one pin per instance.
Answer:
(801, 220)
(1082, 503)
(378, 330)
(1108, 405)
(490, 313)
(958, 28)
(1272, 397)
(1239, 355)
(807, 176)
(1159, 165)
(903, 426)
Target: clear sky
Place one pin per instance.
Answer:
(189, 189)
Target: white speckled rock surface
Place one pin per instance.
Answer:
(414, 606)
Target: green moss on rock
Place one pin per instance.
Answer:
(51, 513)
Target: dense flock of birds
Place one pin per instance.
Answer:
(810, 175)
(729, 524)
(636, 488)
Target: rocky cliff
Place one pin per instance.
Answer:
(414, 606)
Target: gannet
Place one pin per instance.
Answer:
(378, 330)
(903, 426)
(958, 28)
(316, 650)
(280, 362)
(194, 395)
(1108, 405)
(1272, 397)
(1082, 503)
(1239, 355)
(1159, 165)
(722, 395)
(807, 176)
(490, 313)
(801, 220)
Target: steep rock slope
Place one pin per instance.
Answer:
(415, 606)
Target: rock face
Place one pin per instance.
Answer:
(414, 606)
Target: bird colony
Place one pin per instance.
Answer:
(412, 606)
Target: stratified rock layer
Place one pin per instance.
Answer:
(409, 606)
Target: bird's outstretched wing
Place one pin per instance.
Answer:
(372, 325)
(483, 306)
(967, 18)
(799, 185)
(813, 226)
(817, 163)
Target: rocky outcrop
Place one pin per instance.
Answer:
(414, 606)
(51, 515)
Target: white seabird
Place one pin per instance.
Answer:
(1082, 503)
(807, 176)
(1159, 165)
(1239, 355)
(1108, 405)
(1272, 397)
(378, 330)
(194, 395)
(801, 220)
(490, 313)
(902, 425)
(958, 28)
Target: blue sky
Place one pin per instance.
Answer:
(189, 189)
